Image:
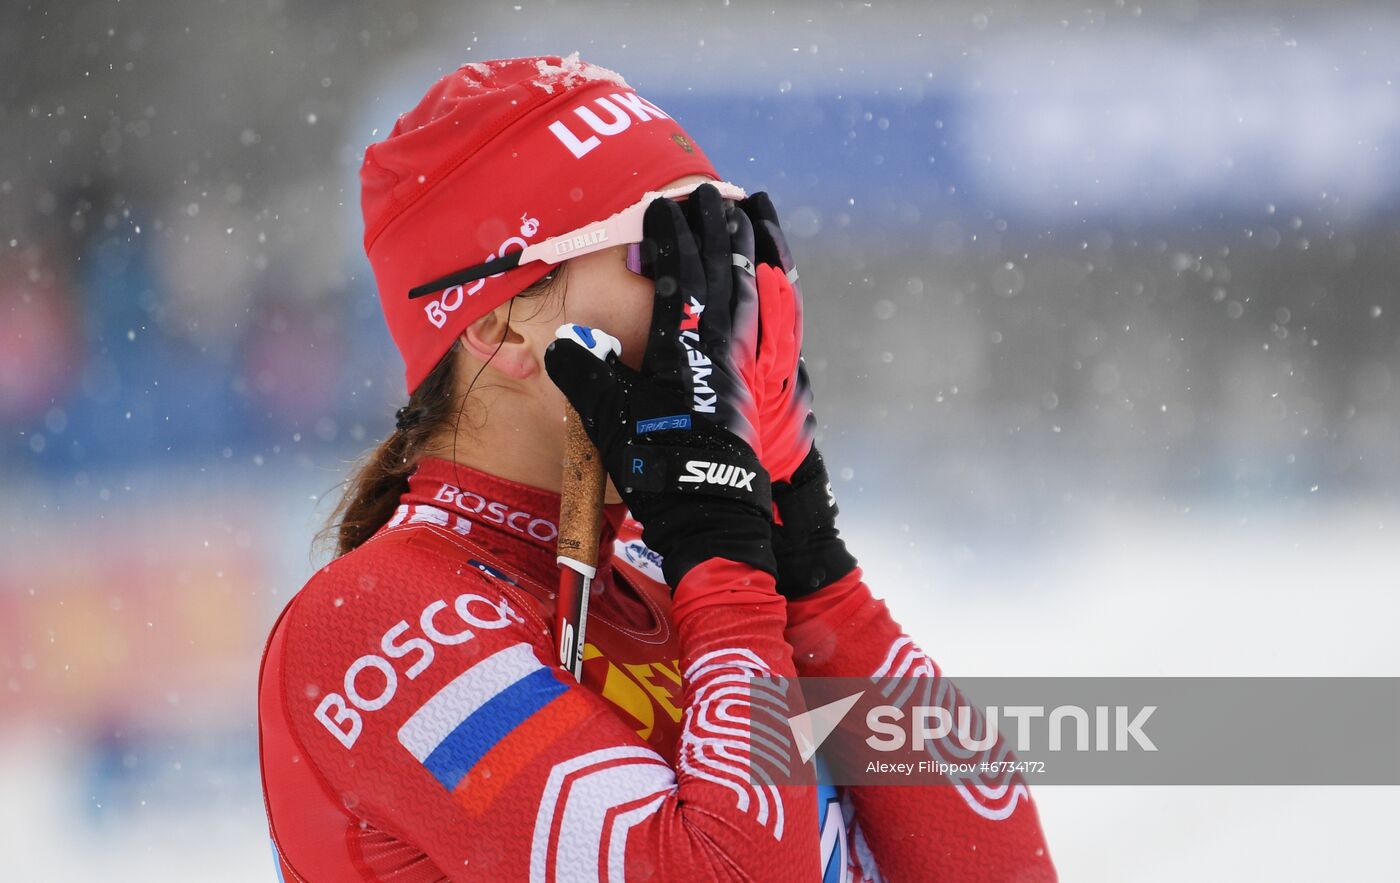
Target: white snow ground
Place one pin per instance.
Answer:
(1135, 590)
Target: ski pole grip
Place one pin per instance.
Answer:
(581, 495)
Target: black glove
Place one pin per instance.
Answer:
(810, 552)
(807, 545)
(677, 436)
(779, 378)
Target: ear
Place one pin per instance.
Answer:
(495, 342)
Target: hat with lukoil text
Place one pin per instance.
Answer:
(499, 155)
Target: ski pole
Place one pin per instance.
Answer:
(580, 514)
(580, 523)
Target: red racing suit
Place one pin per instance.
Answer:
(413, 725)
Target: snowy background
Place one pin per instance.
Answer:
(1103, 319)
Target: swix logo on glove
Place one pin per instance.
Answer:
(722, 474)
(700, 365)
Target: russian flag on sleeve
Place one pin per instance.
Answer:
(489, 722)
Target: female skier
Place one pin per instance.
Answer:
(413, 723)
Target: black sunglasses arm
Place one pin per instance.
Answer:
(468, 274)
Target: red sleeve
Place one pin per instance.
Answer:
(421, 694)
(986, 832)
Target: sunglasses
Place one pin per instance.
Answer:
(623, 228)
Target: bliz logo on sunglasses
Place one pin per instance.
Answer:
(635, 106)
(722, 474)
(574, 243)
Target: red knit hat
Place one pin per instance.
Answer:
(499, 155)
